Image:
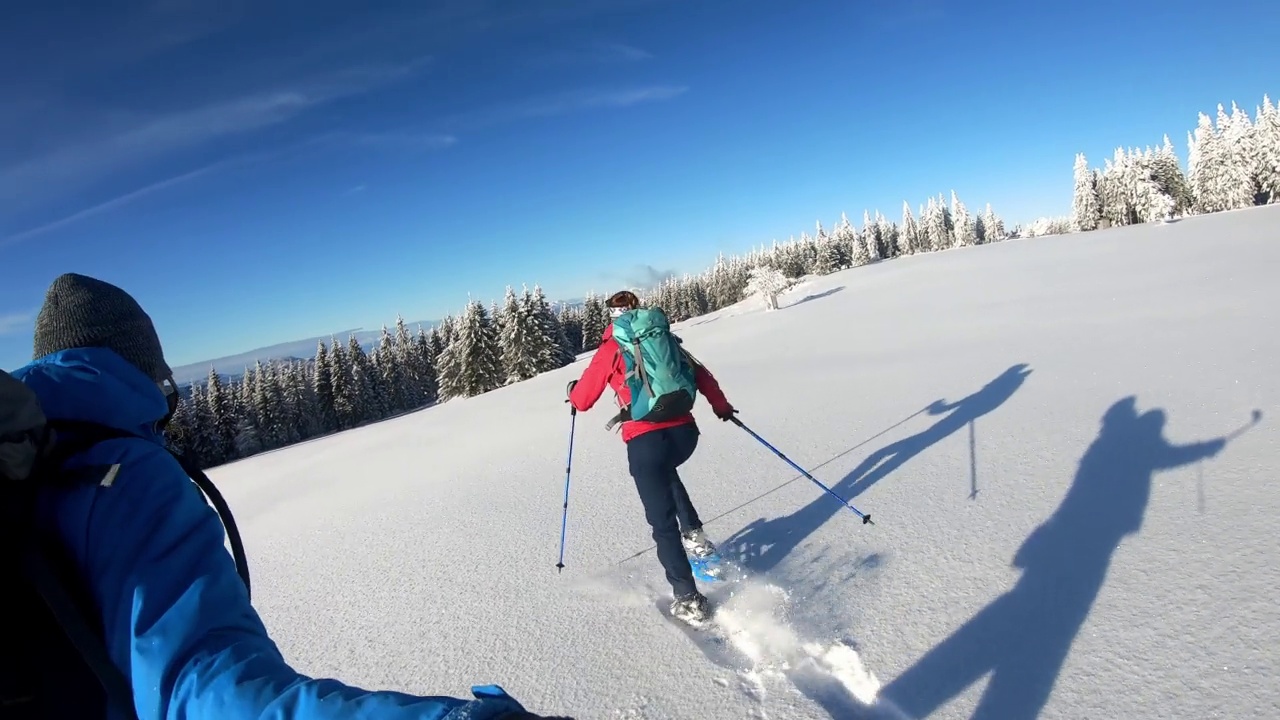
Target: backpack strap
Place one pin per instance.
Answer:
(88, 434)
(38, 566)
(220, 505)
(46, 565)
(40, 557)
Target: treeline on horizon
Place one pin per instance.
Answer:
(1233, 163)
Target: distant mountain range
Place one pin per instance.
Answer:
(231, 367)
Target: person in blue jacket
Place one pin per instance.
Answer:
(175, 616)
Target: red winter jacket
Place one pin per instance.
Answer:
(607, 369)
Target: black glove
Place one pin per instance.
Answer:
(726, 413)
(568, 390)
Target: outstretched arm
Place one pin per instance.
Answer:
(178, 621)
(1178, 455)
(595, 378)
(710, 388)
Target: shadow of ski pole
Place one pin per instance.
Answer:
(815, 468)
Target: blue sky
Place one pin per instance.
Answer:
(257, 172)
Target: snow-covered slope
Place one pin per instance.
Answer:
(1024, 422)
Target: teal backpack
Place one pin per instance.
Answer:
(659, 374)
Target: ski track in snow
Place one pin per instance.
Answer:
(1026, 423)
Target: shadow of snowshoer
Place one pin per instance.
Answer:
(1022, 638)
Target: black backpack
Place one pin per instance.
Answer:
(54, 662)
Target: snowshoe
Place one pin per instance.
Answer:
(704, 557)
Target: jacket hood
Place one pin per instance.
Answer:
(96, 385)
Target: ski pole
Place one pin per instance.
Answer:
(568, 469)
(866, 518)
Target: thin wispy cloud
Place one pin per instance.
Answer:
(79, 165)
(566, 103)
(593, 52)
(403, 141)
(621, 51)
(134, 195)
(400, 142)
(355, 190)
(12, 323)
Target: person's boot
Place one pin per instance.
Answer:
(696, 544)
(693, 609)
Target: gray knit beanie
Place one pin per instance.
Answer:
(81, 311)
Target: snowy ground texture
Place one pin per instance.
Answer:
(1026, 423)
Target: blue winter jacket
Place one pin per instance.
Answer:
(177, 617)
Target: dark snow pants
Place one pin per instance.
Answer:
(653, 458)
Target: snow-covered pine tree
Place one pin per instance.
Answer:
(180, 433)
(369, 393)
(861, 248)
(844, 237)
(554, 348)
(909, 240)
(220, 417)
(965, 236)
(248, 430)
(1120, 189)
(199, 431)
(1208, 172)
(1267, 160)
(1146, 201)
(1086, 207)
(303, 395)
(346, 397)
(720, 284)
(1237, 133)
(1170, 181)
(738, 276)
(442, 334)
(664, 297)
(993, 226)
(496, 320)
(516, 346)
(595, 318)
(391, 374)
(828, 254)
(263, 408)
(425, 349)
(936, 224)
(411, 370)
(696, 295)
(471, 364)
(288, 400)
(326, 397)
(571, 320)
(828, 258)
(889, 236)
(871, 235)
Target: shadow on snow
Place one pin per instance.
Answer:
(1022, 638)
(783, 534)
(816, 296)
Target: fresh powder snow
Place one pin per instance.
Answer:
(1067, 445)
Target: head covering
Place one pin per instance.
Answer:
(81, 311)
(624, 299)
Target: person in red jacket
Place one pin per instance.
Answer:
(654, 451)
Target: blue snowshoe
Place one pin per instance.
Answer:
(704, 557)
